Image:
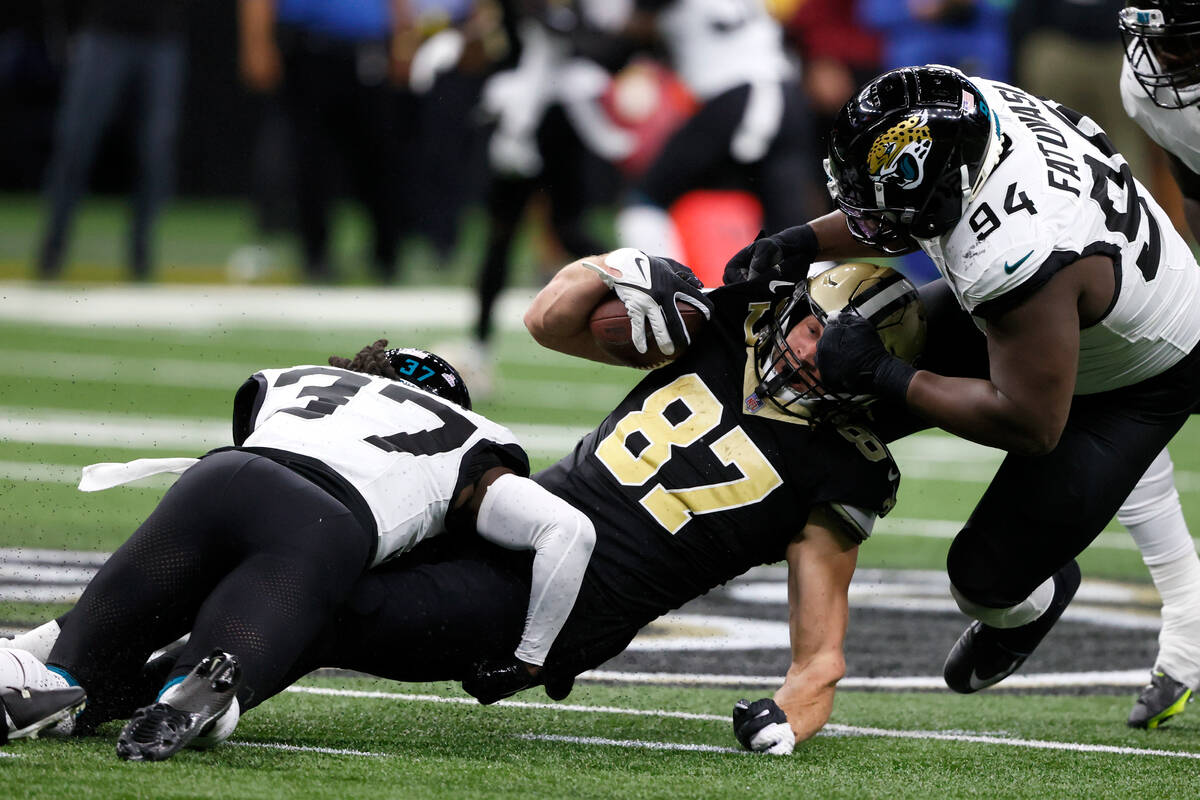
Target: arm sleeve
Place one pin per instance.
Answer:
(517, 513)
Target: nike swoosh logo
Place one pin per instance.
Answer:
(775, 284)
(1009, 269)
(976, 683)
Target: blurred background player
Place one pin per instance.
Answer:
(126, 50)
(336, 65)
(751, 131)
(550, 139)
(1160, 89)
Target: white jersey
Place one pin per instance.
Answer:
(716, 45)
(1060, 193)
(1176, 130)
(402, 449)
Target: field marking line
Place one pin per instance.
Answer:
(831, 729)
(330, 751)
(1036, 744)
(631, 743)
(394, 310)
(1131, 678)
(9, 755)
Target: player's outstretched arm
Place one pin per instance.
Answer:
(821, 561)
(558, 316)
(517, 513)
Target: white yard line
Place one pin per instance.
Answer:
(329, 751)
(1049, 680)
(631, 743)
(200, 307)
(832, 729)
(191, 433)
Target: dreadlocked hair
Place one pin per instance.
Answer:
(371, 360)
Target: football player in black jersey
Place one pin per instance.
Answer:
(731, 456)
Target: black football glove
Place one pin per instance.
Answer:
(496, 680)
(762, 727)
(851, 358)
(786, 255)
(650, 286)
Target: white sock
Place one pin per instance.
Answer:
(1154, 518)
(20, 669)
(39, 641)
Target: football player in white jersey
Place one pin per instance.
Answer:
(751, 131)
(333, 471)
(1160, 87)
(1089, 299)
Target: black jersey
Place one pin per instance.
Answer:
(688, 487)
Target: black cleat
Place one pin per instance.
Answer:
(28, 712)
(983, 656)
(160, 730)
(496, 680)
(1161, 699)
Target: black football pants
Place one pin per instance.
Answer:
(246, 554)
(1039, 512)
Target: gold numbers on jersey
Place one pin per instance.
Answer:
(867, 443)
(677, 415)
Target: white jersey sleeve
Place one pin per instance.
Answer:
(404, 450)
(1061, 193)
(1176, 130)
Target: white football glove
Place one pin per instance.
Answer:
(649, 286)
(762, 727)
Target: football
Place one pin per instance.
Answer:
(612, 330)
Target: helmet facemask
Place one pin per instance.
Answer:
(1162, 46)
(790, 382)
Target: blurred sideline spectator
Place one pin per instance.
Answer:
(336, 65)
(1071, 50)
(123, 47)
(752, 130)
(840, 54)
(968, 34)
(971, 35)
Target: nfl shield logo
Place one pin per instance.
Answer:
(753, 404)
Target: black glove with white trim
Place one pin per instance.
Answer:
(786, 255)
(851, 358)
(762, 727)
(650, 286)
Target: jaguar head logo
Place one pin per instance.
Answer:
(898, 155)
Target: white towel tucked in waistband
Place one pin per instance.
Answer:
(109, 474)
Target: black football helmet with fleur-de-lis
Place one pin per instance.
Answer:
(883, 296)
